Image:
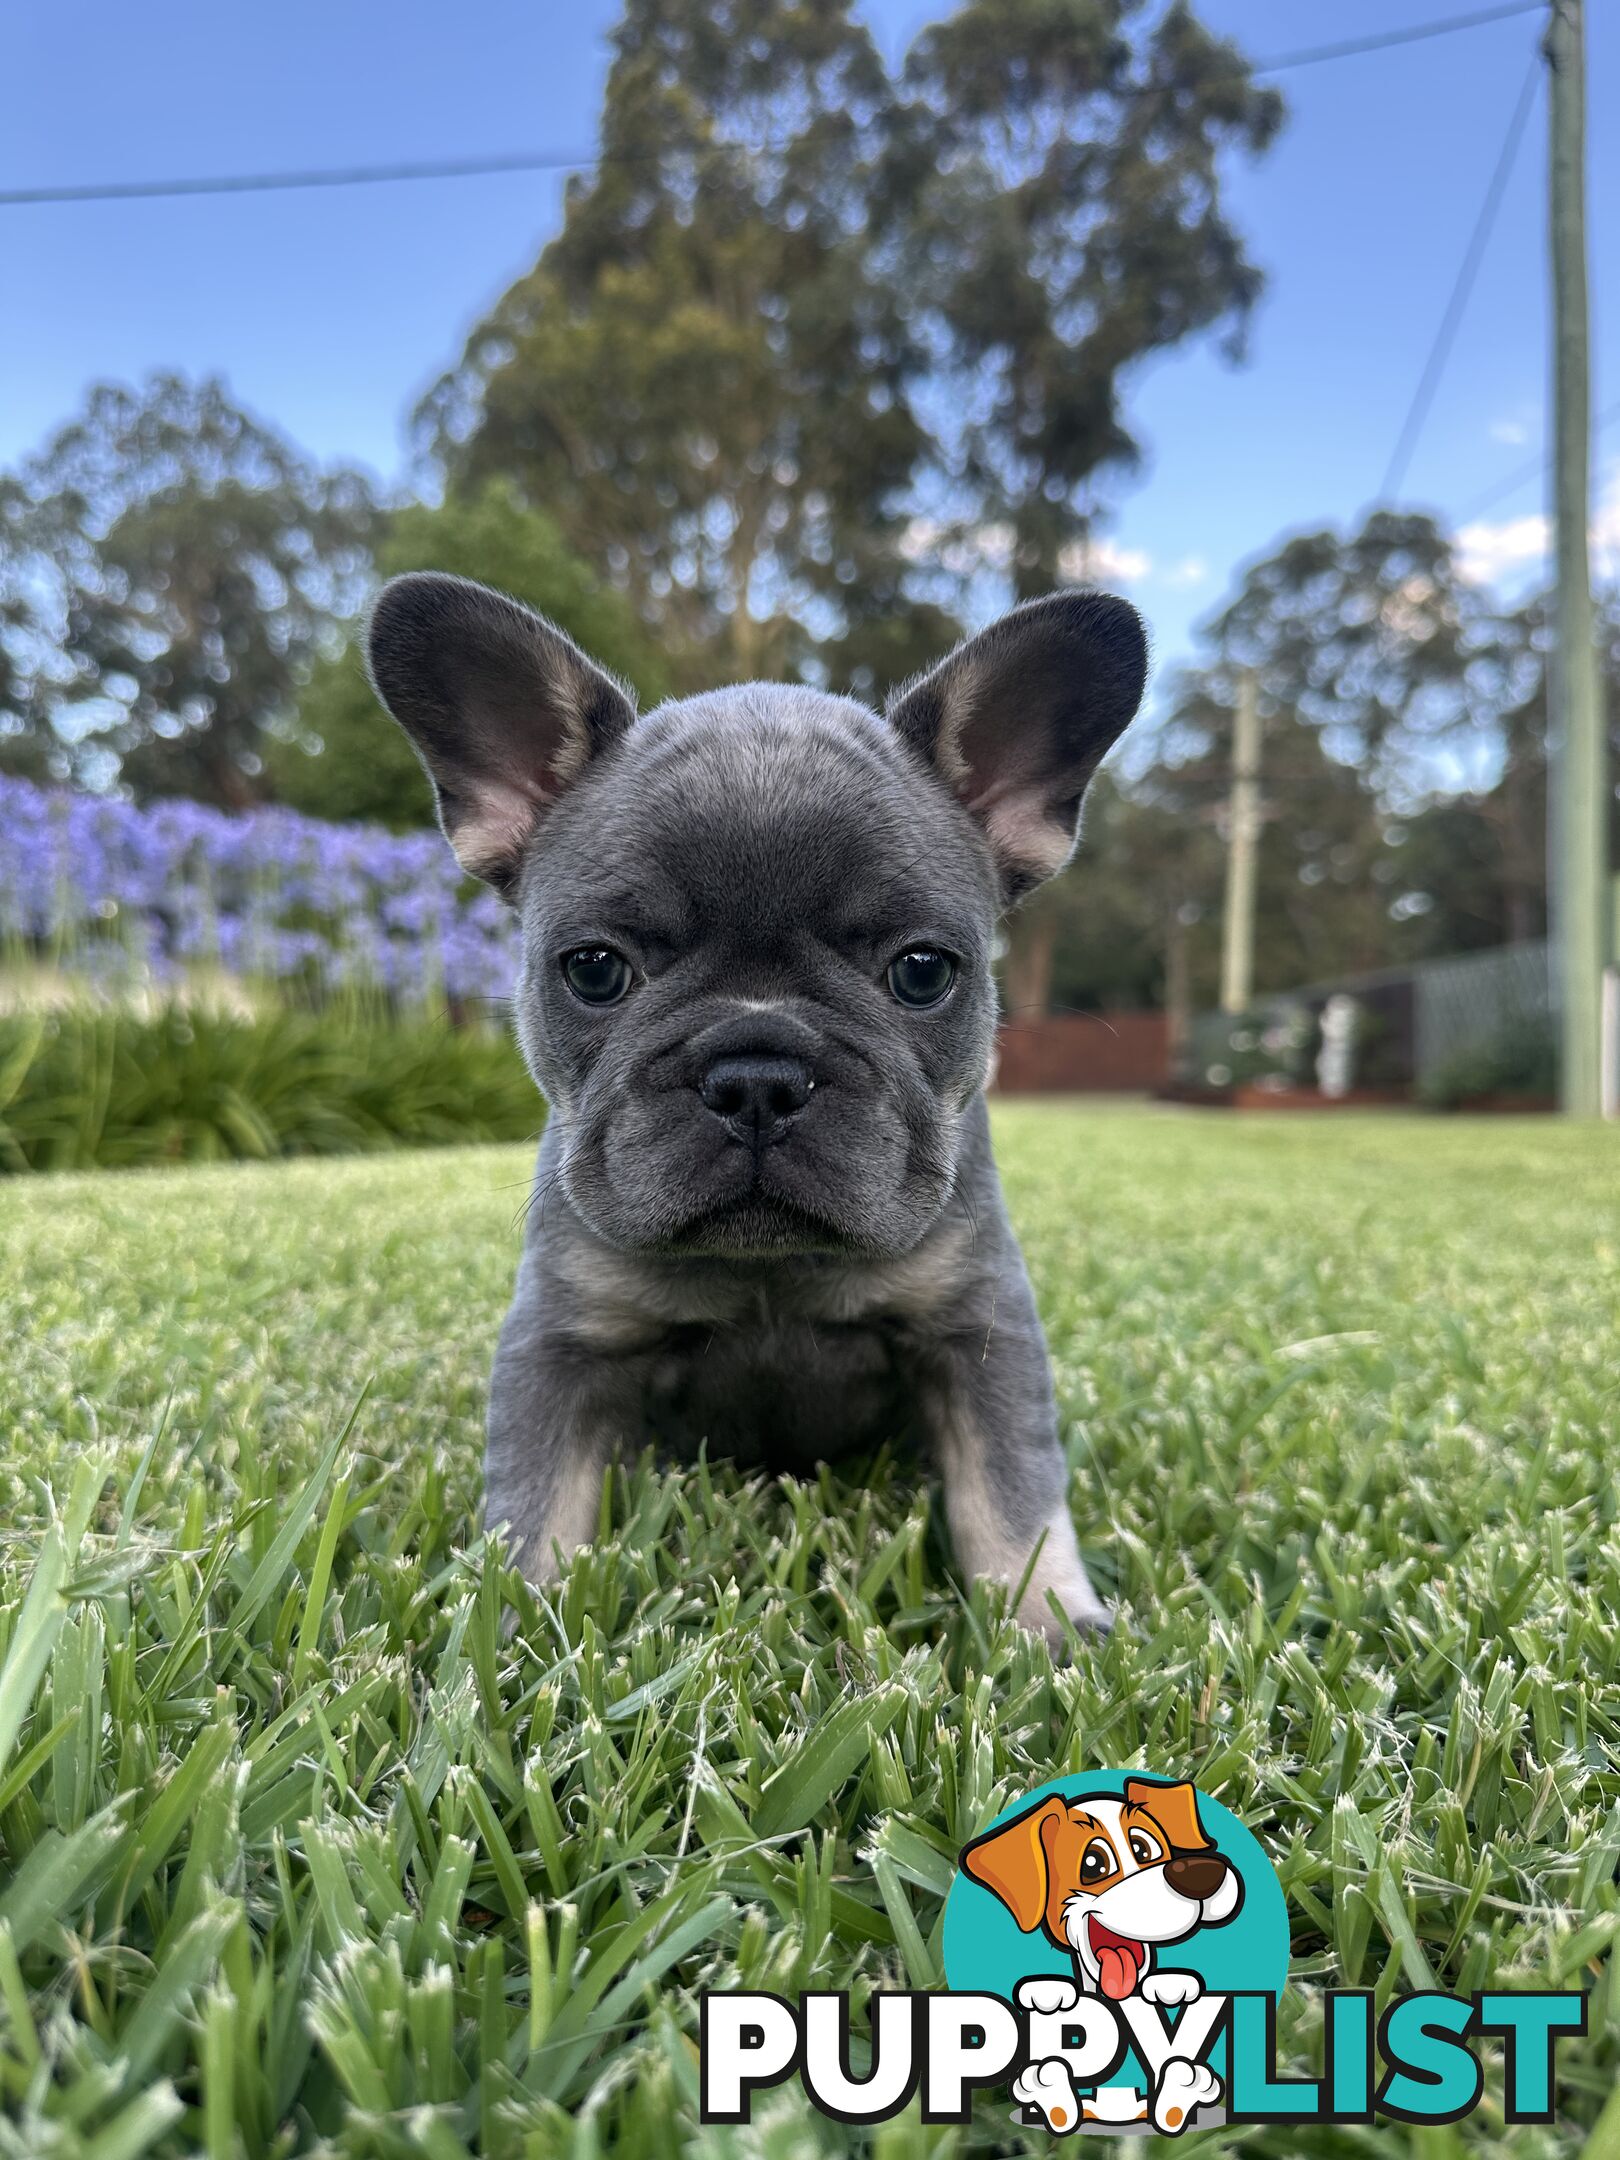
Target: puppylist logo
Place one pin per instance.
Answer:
(1115, 1947)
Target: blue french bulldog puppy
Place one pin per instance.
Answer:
(757, 929)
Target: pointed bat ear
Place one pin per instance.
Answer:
(504, 710)
(1018, 719)
(1012, 1862)
(1174, 1808)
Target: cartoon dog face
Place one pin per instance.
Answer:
(1110, 1879)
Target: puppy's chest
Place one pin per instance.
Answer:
(782, 1394)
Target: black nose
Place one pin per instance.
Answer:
(757, 1097)
(1196, 1875)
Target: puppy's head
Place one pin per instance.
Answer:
(1108, 1878)
(757, 925)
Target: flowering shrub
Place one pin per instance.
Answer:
(124, 894)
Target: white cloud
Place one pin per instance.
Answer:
(1514, 432)
(1191, 570)
(1487, 550)
(966, 549)
(960, 549)
(1101, 562)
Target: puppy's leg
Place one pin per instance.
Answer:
(557, 1417)
(994, 1428)
(1001, 1505)
(545, 1487)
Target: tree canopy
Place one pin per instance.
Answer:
(1060, 166)
(703, 378)
(1404, 776)
(805, 319)
(184, 564)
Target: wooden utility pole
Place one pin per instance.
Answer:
(1578, 824)
(1242, 850)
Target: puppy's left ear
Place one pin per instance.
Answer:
(1174, 1808)
(1013, 1862)
(1018, 719)
(504, 710)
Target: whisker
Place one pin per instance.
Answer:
(540, 1191)
(966, 1203)
(1065, 1012)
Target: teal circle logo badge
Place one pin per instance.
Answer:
(1121, 1914)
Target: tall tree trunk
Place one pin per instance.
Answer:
(1030, 950)
(1177, 989)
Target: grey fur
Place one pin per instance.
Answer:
(760, 854)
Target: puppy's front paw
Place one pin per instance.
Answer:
(1183, 2088)
(1059, 1574)
(1049, 2087)
(1047, 1993)
(1077, 1598)
(1171, 1987)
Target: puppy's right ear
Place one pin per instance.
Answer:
(504, 710)
(1013, 1862)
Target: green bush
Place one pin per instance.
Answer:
(106, 1088)
(1275, 1042)
(1521, 1058)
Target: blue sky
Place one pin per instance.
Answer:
(329, 313)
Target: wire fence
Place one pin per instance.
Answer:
(1465, 1005)
(1468, 1023)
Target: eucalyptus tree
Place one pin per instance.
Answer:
(187, 565)
(806, 319)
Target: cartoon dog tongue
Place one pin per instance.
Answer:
(1119, 1961)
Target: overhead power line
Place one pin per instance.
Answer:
(1414, 34)
(559, 161)
(1532, 469)
(333, 176)
(1473, 255)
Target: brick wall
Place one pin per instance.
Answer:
(1083, 1053)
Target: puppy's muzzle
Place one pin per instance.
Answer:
(756, 1098)
(1196, 1875)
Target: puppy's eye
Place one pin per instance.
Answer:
(921, 976)
(1144, 1850)
(596, 974)
(1096, 1861)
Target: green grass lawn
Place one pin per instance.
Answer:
(298, 1854)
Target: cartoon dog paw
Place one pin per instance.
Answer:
(1183, 2088)
(1048, 1993)
(1049, 2087)
(1170, 1988)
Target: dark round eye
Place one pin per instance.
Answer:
(1143, 1849)
(1096, 1861)
(921, 976)
(596, 974)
